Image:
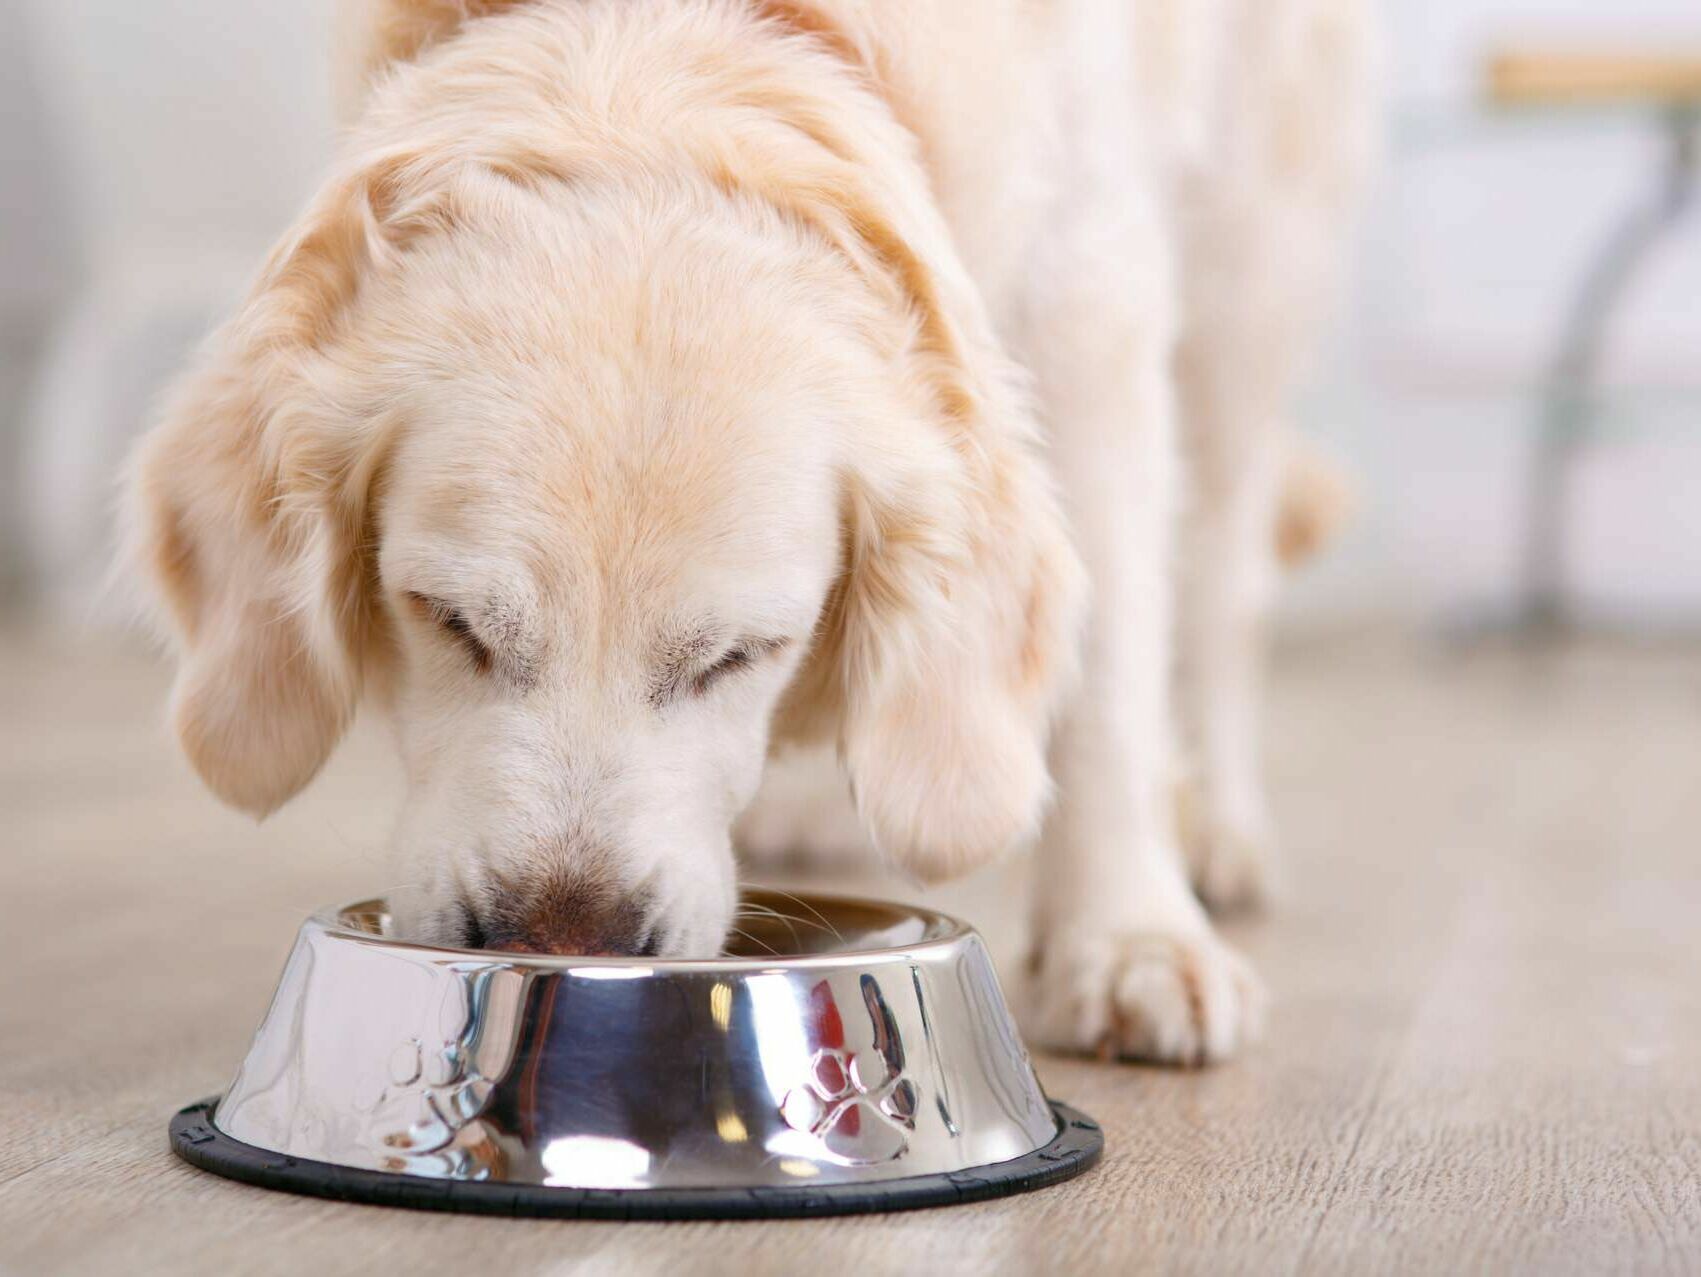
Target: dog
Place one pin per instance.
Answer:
(657, 384)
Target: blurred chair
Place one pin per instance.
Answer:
(1668, 88)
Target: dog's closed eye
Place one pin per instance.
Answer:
(738, 658)
(454, 624)
(683, 674)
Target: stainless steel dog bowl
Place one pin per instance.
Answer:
(874, 1066)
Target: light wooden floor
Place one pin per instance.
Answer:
(1485, 1054)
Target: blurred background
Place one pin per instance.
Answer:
(152, 153)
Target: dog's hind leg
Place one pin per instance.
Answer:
(1226, 579)
(1263, 217)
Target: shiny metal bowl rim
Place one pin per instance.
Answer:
(942, 931)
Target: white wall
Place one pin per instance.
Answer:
(165, 146)
(185, 126)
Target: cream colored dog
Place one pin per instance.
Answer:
(655, 382)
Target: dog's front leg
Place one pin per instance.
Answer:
(1125, 961)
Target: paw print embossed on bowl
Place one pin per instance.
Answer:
(858, 1108)
(420, 1122)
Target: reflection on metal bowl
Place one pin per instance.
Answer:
(857, 1055)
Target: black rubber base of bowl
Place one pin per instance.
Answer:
(197, 1141)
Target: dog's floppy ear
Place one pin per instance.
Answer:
(957, 627)
(246, 516)
(952, 634)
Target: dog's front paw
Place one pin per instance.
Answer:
(1177, 996)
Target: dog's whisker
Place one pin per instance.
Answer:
(746, 936)
(800, 901)
(790, 920)
(764, 911)
(760, 912)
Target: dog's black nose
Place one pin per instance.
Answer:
(565, 915)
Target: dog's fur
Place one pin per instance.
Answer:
(657, 382)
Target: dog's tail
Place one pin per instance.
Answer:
(374, 35)
(1315, 501)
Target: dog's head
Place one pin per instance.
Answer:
(595, 486)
